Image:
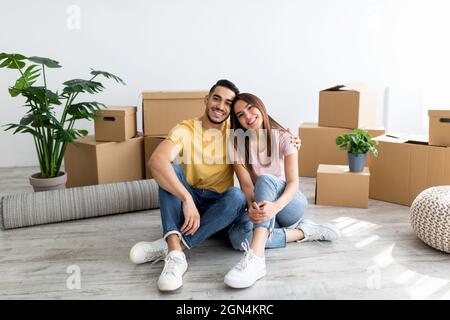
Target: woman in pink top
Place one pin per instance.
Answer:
(265, 163)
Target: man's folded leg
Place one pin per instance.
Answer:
(172, 219)
(218, 215)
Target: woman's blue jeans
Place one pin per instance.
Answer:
(217, 210)
(270, 188)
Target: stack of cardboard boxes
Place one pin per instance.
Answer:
(341, 109)
(162, 111)
(405, 167)
(117, 152)
(114, 154)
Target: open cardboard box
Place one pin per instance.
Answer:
(405, 167)
(348, 106)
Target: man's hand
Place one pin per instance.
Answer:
(191, 218)
(296, 141)
(267, 210)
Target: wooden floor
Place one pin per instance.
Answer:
(378, 257)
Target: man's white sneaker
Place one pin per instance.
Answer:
(247, 271)
(175, 266)
(318, 232)
(143, 252)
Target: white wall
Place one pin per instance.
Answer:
(283, 51)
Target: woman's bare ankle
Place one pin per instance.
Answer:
(294, 235)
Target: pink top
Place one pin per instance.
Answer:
(281, 147)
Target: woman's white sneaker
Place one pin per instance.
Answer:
(175, 266)
(244, 274)
(143, 252)
(318, 232)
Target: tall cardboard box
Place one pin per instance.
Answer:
(163, 110)
(439, 127)
(90, 162)
(337, 186)
(404, 168)
(348, 106)
(319, 147)
(150, 143)
(115, 124)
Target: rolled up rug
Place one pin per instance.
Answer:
(28, 209)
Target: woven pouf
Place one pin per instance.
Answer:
(430, 217)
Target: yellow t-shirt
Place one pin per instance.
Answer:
(202, 155)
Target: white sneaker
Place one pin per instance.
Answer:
(143, 252)
(250, 269)
(175, 266)
(314, 231)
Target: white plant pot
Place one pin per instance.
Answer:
(46, 184)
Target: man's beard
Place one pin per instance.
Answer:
(216, 122)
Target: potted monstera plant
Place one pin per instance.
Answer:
(51, 115)
(357, 143)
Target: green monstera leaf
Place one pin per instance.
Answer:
(82, 86)
(27, 79)
(107, 75)
(12, 61)
(49, 63)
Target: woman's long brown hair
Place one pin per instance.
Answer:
(268, 123)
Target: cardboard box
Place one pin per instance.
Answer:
(337, 186)
(319, 147)
(150, 142)
(163, 110)
(439, 128)
(347, 106)
(404, 168)
(115, 124)
(89, 162)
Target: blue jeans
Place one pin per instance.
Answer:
(270, 188)
(217, 210)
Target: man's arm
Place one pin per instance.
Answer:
(160, 165)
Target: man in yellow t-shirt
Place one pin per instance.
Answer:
(197, 197)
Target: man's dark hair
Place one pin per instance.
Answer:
(226, 84)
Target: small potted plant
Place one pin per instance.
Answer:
(357, 143)
(51, 133)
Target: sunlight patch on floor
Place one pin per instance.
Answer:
(359, 227)
(350, 226)
(384, 258)
(445, 296)
(343, 222)
(425, 286)
(366, 241)
(406, 277)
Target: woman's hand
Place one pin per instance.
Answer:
(296, 141)
(191, 218)
(254, 214)
(267, 210)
